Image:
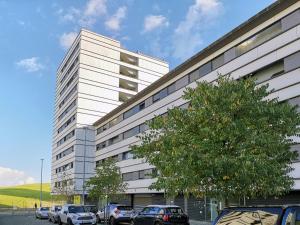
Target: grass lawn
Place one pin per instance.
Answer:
(24, 196)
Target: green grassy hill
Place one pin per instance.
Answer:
(24, 196)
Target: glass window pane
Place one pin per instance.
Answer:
(205, 69)
(128, 85)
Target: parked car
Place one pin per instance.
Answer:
(269, 215)
(115, 214)
(74, 215)
(161, 215)
(42, 213)
(53, 213)
(91, 208)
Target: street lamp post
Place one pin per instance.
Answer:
(41, 186)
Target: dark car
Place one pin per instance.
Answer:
(91, 208)
(53, 213)
(161, 215)
(262, 215)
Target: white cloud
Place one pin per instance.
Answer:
(187, 36)
(95, 8)
(11, 177)
(114, 22)
(153, 22)
(66, 39)
(30, 64)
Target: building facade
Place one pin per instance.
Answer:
(96, 76)
(267, 47)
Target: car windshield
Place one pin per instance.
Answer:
(44, 209)
(91, 208)
(57, 208)
(174, 210)
(124, 208)
(76, 209)
(249, 217)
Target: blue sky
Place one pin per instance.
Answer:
(35, 35)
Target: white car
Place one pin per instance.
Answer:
(115, 214)
(74, 215)
(42, 213)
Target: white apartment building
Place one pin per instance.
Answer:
(96, 76)
(267, 46)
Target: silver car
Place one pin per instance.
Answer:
(53, 213)
(115, 214)
(42, 213)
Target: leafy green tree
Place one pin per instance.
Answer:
(232, 141)
(107, 182)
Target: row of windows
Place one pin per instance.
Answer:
(69, 70)
(127, 134)
(139, 175)
(65, 138)
(70, 81)
(72, 91)
(68, 109)
(63, 183)
(65, 152)
(118, 158)
(220, 60)
(131, 132)
(70, 57)
(66, 124)
(63, 168)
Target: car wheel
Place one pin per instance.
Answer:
(59, 221)
(97, 219)
(112, 221)
(69, 222)
(131, 222)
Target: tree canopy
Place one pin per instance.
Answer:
(231, 141)
(107, 182)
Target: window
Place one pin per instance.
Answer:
(132, 132)
(68, 83)
(127, 155)
(128, 72)
(65, 152)
(128, 85)
(217, 62)
(101, 145)
(259, 38)
(66, 124)
(124, 97)
(143, 127)
(171, 88)
(115, 120)
(160, 95)
(115, 139)
(194, 75)
(205, 69)
(69, 58)
(65, 138)
(68, 109)
(182, 82)
(271, 71)
(129, 59)
(73, 90)
(69, 70)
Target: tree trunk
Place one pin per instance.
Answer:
(226, 202)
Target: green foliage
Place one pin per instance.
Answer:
(107, 182)
(231, 142)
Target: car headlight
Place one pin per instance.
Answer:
(73, 217)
